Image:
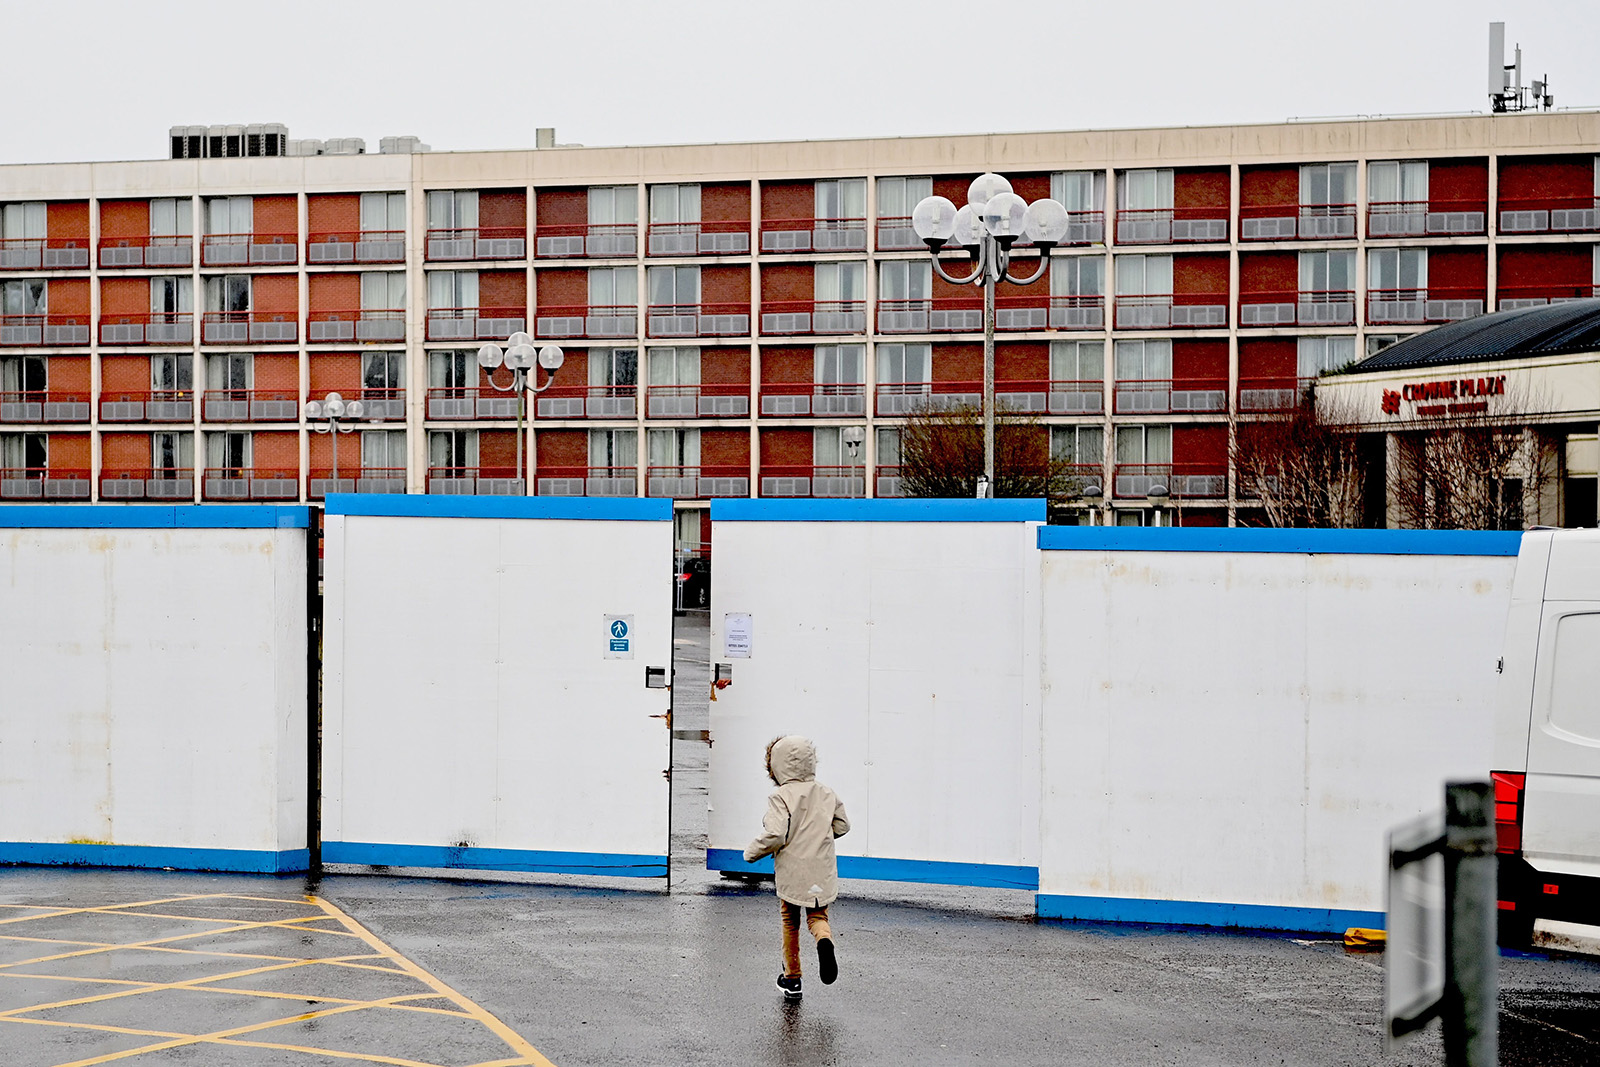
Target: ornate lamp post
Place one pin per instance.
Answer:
(519, 357)
(329, 410)
(990, 223)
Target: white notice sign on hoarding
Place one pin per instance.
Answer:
(736, 635)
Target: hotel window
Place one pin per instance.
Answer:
(841, 282)
(675, 366)
(384, 290)
(25, 452)
(455, 369)
(228, 293)
(1082, 446)
(452, 450)
(382, 212)
(228, 454)
(1077, 361)
(1392, 269)
(171, 451)
(905, 280)
(614, 367)
(673, 203)
(27, 297)
(616, 287)
(23, 222)
(228, 215)
(1144, 275)
(452, 289)
(453, 209)
(673, 286)
(230, 371)
(614, 205)
(23, 374)
(674, 448)
(1078, 276)
(383, 370)
(898, 197)
(1143, 361)
(171, 217)
(1327, 272)
(1322, 184)
(1397, 182)
(383, 450)
(1079, 190)
(174, 295)
(844, 198)
(829, 450)
(171, 374)
(888, 446)
(840, 364)
(1145, 190)
(1151, 445)
(905, 363)
(1319, 355)
(614, 448)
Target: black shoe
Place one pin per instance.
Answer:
(829, 965)
(790, 987)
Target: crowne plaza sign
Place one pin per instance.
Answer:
(1449, 396)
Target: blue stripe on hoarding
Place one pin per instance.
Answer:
(1203, 913)
(615, 864)
(418, 505)
(50, 854)
(936, 872)
(155, 517)
(1321, 542)
(765, 510)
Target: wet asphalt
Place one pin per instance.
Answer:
(616, 973)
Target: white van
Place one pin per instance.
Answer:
(1547, 736)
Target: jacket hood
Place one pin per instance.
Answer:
(792, 759)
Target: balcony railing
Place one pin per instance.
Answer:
(1183, 481)
(722, 238)
(1425, 218)
(176, 250)
(475, 324)
(1290, 222)
(250, 405)
(962, 315)
(157, 405)
(598, 321)
(589, 402)
(1086, 312)
(475, 481)
(1058, 397)
(594, 241)
(472, 403)
(1303, 307)
(906, 398)
(147, 328)
(40, 483)
(488, 242)
(1407, 306)
(697, 320)
(1161, 396)
(587, 481)
(1280, 393)
(886, 481)
(368, 324)
(384, 402)
(1166, 226)
(697, 483)
(1527, 296)
(706, 400)
(896, 235)
(45, 253)
(1160, 311)
(249, 250)
(813, 398)
(809, 481)
(249, 327)
(355, 479)
(37, 330)
(788, 317)
(356, 246)
(1551, 214)
(44, 406)
(250, 483)
(165, 483)
(813, 235)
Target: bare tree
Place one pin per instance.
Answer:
(1470, 466)
(1304, 465)
(941, 455)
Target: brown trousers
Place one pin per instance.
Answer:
(816, 921)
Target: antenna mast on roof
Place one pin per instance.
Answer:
(1506, 91)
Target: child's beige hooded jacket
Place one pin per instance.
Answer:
(803, 817)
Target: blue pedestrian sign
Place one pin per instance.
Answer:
(619, 637)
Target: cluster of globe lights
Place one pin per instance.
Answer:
(992, 209)
(334, 406)
(520, 354)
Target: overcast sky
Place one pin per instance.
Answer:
(104, 79)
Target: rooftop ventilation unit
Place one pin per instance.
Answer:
(229, 142)
(346, 146)
(402, 145)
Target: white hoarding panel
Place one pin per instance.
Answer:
(1234, 718)
(900, 636)
(481, 708)
(154, 670)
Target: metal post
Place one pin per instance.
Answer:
(521, 398)
(990, 270)
(1471, 989)
(333, 429)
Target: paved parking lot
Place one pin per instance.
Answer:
(149, 967)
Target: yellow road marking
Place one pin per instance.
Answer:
(525, 1053)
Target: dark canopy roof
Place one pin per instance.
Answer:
(1537, 331)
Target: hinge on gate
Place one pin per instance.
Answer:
(667, 774)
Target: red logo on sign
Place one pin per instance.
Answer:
(1391, 402)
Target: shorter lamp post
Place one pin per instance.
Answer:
(328, 411)
(519, 357)
(1158, 495)
(991, 222)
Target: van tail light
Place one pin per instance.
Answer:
(1508, 811)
